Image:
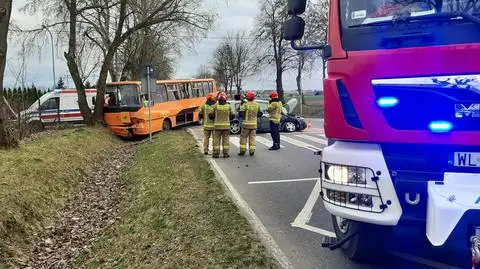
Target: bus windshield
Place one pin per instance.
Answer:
(366, 12)
(123, 96)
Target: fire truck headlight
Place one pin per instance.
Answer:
(346, 174)
(352, 199)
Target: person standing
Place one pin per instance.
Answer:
(208, 124)
(249, 111)
(222, 115)
(275, 115)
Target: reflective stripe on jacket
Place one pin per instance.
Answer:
(275, 111)
(208, 124)
(222, 116)
(250, 110)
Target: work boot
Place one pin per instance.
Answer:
(241, 154)
(274, 147)
(206, 153)
(225, 155)
(252, 153)
(216, 155)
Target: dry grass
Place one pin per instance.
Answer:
(178, 216)
(37, 179)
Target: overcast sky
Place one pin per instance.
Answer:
(232, 15)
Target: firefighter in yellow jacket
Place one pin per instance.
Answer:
(275, 114)
(222, 115)
(208, 124)
(249, 112)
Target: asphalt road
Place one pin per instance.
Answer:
(280, 189)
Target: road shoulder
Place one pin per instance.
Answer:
(252, 218)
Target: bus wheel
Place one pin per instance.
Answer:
(369, 245)
(167, 125)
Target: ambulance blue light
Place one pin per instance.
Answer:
(385, 102)
(440, 126)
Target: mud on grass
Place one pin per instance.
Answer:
(177, 216)
(36, 181)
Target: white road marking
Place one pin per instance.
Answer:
(299, 144)
(267, 142)
(265, 237)
(234, 140)
(318, 140)
(304, 217)
(315, 230)
(300, 221)
(282, 181)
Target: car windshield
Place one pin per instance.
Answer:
(365, 12)
(123, 96)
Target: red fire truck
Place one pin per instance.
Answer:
(402, 114)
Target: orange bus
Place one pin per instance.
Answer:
(174, 103)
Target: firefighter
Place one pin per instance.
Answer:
(275, 115)
(249, 111)
(222, 115)
(208, 124)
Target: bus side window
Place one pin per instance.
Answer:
(171, 93)
(191, 91)
(205, 88)
(177, 93)
(210, 86)
(160, 94)
(184, 87)
(198, 87)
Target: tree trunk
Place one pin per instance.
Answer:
(6, 139)
(73, 67)
(102, 79)
(101, 87)
(279, 82)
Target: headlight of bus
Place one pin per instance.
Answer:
(346, 174)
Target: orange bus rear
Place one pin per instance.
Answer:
(174, 103)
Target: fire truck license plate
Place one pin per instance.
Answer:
(467, 159)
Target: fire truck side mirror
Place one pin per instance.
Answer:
(294, 28)
(296, 7)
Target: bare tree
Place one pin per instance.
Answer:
(222, 65)
(108, 24)
(315, 33)
(242, 63)
(234, 60)
(269, 36)
(204, 71)
(144, 46)
(6, 139)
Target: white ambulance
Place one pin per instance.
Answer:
(58, 106)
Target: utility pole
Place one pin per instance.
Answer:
(53, 55)
(149, 103)
(149, 82)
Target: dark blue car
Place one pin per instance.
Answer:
(289, 123)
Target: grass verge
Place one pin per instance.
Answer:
(178, 216)
(37, 179)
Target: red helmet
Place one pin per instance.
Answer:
(251, 95)
(211, 97)
(274, 95)
(222, 97)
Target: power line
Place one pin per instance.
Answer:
(216, 37)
